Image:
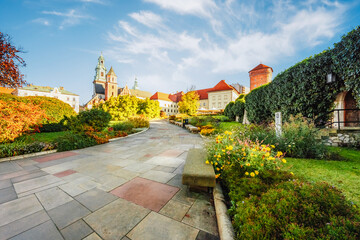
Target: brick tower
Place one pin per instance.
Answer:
(111, 88)
(260, 75)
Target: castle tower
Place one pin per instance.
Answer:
(135, 87)
(260, 75)
(100, 78)
(111, 88)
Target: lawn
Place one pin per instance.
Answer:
(344, 175)
(46, 137)
(228, 126)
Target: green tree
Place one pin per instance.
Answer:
(189, 103)
(149, 108)
(238, 108)
(228, 111)
(121, 108)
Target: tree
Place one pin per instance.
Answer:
(189, 103)
(10, 61)
(228, 111)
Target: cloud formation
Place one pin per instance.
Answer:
(70, 17)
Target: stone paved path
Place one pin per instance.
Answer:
(127, 189)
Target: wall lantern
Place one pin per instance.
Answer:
(330, 78)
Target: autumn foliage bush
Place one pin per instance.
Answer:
(17, 118)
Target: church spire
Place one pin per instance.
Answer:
(100, 70)
(135, 84)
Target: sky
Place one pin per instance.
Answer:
(169, 45)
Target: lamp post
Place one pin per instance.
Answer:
(330, 77)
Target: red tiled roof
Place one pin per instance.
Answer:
(167, 97)
(222, 86)
(260, 66)
(203, 93)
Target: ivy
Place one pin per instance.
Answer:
(303, 88)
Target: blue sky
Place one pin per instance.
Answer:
(169, 44)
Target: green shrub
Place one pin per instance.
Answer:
(239, 108)
(71, 141)
(94, 118)
(297, 210)
(139, 122)
(228, 111)
(123, 126)
(52, 127)
(20, 148)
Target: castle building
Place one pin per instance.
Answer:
(168, 102)
(260, 75)
(59, 93)
(106, 86)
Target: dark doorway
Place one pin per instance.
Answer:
(352, 117)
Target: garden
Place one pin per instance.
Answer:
(35, 124)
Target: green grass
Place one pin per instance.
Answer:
(228, 126)
(46, 137)
(344, 175)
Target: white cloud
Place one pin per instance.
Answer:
(42, 21)
(148, 18)
(240, 38)
(195, 7)
(71, 17)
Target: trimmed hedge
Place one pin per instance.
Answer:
(55, 109)
(303, 88)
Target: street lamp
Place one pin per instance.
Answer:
(330, 77)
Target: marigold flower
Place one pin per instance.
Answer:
(291, 173)
(283, 160)
(256, 172)
(217, 169)
(246, 173)
(207, 162)
(244, 154)
(279, 154)
(248, 164)
(262, 164)
(217, 175)
(216, 163)
(267, 154)
(271, 158)
(272, 146)
(223, 150)
(252, 174)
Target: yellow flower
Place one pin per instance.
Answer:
(291, 173)
(244, 154)
(252, 174)
(283, 160)
(248, 164)
(262, 164)
(268, 149)
(215, 155)
(223, 150)
(218, 169)
(271, 158)
(207, 162)
(256, 172)
(216, 163)
(217, 175)
(246, 173)
(272, 146)
(279, 154)
(289, 145)
(267, 154)
(229, 148)
(212, 163)
(219, 156)
(228, 162)
(263, 146)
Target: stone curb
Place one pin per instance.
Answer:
(26, 155)
(225, 227)
(114, 139)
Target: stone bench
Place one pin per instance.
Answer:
(178, 124)
(197, 174)
(172, 121)
(192, 128)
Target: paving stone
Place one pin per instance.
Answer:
(186, 197)
(95, 199)
(109, 182)
(176, 181)
(8, 167)
(13, 174)
(36, 174)
(5, 183)
(55, 156)
(68, 213)
(171, 153)
(165, 161)
(64, 173)
(139, 167)
(72, 189)
(202, 216)
(25, 162)
(121, 162)
(7, 194)
(35, 183)
(146, 193)
(175, 210)
(30, 167)
(76, 231)
(19, 208)
(40, 189)
(206, 236)
(164, 169)
(180, 168)
(46, 230)
(116, 219)
(23, 224)
(53, 197)
(93, 236)
(165, 228)
(125, 174)
(158, 176)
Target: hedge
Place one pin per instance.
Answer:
(55, 109)
(303, 88)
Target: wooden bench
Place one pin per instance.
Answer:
(192, 128)
(197, 174)
(178, 124)
(172, 121)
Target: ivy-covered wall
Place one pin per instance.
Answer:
(303, 88)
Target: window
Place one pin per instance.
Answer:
(219, 105)
(219, 97)
(213, 98)
(225, 97)
(74, 99)
(102, 62)
(68, 98)
(102, 74)
(112, 87)
(204, 104)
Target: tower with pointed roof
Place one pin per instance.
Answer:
(111, 88)
(135, 87)
(260, 75)
(100, 78)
